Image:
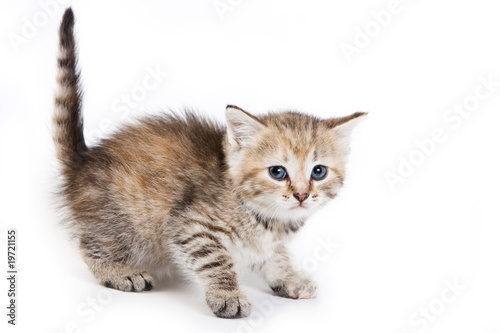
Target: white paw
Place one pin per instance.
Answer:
(296, 287)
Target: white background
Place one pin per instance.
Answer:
(394, 248)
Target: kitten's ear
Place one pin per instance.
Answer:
(344, 126)
(241, 126)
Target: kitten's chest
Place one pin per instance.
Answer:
(255, 249)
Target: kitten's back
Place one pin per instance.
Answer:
(181, 146)
(161, 161)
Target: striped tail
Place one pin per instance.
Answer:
(67, 119)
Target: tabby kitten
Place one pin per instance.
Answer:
(184, 190)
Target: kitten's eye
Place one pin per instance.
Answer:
(277, 172)
(318, 172)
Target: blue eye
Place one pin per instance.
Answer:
(277, 172)
(318, 172)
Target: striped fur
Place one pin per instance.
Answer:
(186, 191)
(68, 132)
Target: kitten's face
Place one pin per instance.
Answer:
(286, 165)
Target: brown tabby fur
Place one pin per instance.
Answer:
(184, 190)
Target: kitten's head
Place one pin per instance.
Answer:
(286, 165)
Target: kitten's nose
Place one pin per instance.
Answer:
(301, 196)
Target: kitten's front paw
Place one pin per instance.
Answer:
(228, 304)
(296, 287)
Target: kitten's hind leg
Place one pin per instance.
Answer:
(116, 275)
(120, 277)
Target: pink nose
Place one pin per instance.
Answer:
(301, 196)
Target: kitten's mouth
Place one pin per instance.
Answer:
(299, 206)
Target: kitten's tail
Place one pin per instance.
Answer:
(67, 119)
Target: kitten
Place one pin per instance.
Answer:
(184, 190)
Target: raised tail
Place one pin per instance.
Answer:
(67, 120)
